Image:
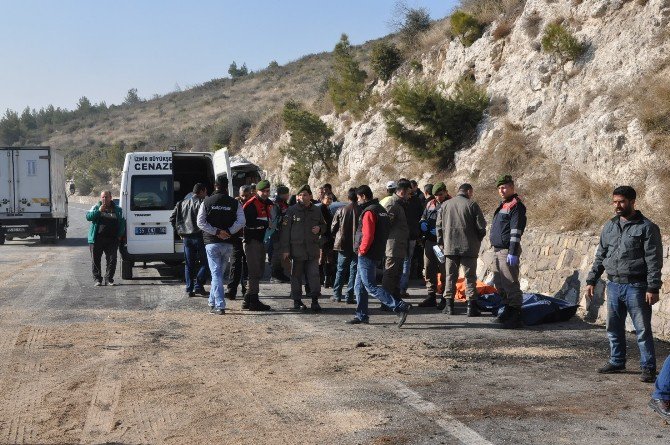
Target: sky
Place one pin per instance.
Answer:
(55, 52)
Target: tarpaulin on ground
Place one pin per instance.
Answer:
(482, 288)
(535, 309)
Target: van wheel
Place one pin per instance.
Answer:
(127, 269)
(173, 263)
(2, 239)
(44, 239)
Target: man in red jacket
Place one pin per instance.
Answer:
(370, 245)
(257, 212)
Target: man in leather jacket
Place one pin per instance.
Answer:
(184, 220)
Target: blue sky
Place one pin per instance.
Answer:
(54, 52)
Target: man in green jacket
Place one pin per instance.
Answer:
(461, 227)
(107, 228)
(397, 245)
(299, 242)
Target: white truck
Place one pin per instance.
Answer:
(33, 200)
(152, 183)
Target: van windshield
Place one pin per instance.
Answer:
(152, 192)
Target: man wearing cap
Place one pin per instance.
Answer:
(370, 244)
(301, 227)
(397, 245)
(257, 213)
(391, 187)
(460, 230)
(280, 268)
(432, 265)
(509, 222)
(220, 217)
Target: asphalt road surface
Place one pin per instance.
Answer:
(141, 364)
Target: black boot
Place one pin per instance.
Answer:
(449, 307)
(246, 304)
(513, 321)
(299, 305)
(429, 301)
(473, 309)
(230, 295)
(256, 305)
(441, 305)
(316, 307)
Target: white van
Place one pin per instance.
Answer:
(151, 185)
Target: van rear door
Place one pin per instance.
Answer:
(6, 181)
(150, 203)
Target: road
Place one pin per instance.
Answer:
(141, 364)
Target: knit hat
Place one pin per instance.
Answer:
(282, 189)
(264, 184)
(504, 179)
(439, 187)
(304, 188)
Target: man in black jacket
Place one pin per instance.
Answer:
(238, 261)
(509, 222)
(413, 211)
(184, 219)
(343, 230)
(631, 252)
(220, 217)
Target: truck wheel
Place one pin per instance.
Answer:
(62, 232)
(127, 269)
(44, 239)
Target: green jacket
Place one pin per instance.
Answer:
(93, 215)
(296, 237)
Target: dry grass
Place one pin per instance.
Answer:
(503, 29)
(488, 11)
(653, 103)
(438, 34)
(531, 24)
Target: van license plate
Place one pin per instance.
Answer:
(150, 230)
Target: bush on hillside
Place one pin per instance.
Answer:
(132, 97)
(310, 142)
(236, 72)
(347, 85)
(231, 132)
(433, 126)
(298, 174)
(410, 23)
(465, 27)
(385, 59)
(561, 43)
(11, 130)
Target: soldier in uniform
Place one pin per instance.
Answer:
(301, 228)
(429, 233)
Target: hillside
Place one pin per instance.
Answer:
(568, 130)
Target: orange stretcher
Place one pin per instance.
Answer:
(482, 288)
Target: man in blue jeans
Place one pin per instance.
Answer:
(184, 219)
(631, 252)
(220, 217)
(343, 229)
(370, 245)
(660, 399)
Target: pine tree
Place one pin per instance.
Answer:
(347, 86)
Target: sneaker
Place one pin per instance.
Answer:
(429, 301)
(188, 294)
(98, 283)
(610, 368)
(661, 407)
(211, 309)
(217, 311)
(402, 315)
(648, 375)
(299, 305)
(357, 320)
(110, 282)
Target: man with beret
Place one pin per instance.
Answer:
(509, 222)
(280, 268)
(301, 227)
(257, 213)
(239, 271)
(432, 265)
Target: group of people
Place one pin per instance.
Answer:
(309, 245)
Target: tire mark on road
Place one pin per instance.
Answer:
(451, 425)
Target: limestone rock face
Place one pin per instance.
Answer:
(579, 115)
